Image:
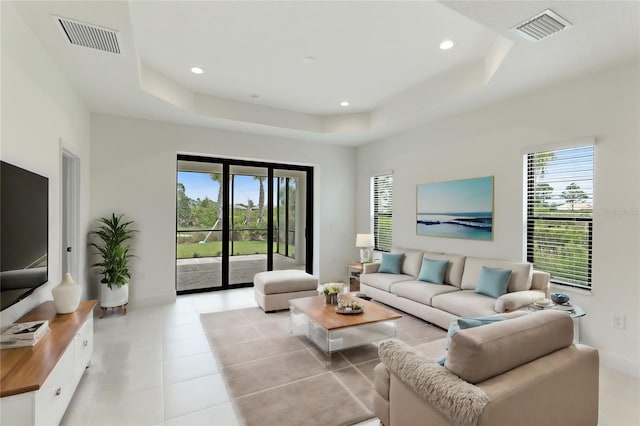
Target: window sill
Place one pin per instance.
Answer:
(557, 288)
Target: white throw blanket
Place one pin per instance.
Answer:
(458, 400)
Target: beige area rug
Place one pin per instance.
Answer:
(274, 378)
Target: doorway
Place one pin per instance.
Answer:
(70, 212)
(235, 218)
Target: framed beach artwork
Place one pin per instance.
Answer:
(456, 209)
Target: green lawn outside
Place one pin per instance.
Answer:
(214, 248)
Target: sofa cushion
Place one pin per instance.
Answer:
(465, 303)
(464, 323)
(432, 271)
(383, 281)
(540, 280)
(480, 353)
(520, 299)
(412, 260)
(453, 274)
(420, 291)
(493, 282)
(391, 263)
(437, 348)
(520, 279)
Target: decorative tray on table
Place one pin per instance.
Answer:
(564, 307)
(349, 311)
(349, 307)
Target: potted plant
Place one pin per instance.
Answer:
(331, 292)
(113, 233)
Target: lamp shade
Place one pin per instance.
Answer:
(364, 240)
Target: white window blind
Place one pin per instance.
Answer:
(560, 213)
(382, 194)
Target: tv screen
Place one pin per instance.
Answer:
(24, 233)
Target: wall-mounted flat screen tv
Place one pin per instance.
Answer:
(24, 233)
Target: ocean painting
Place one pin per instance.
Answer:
(456, 209)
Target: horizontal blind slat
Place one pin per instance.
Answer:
(559, 213)
(382, 211)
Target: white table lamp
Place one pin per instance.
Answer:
(364, 242)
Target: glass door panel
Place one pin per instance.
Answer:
(289, 219)
(248, 241)
(199, 233)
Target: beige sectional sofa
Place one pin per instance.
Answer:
(440, 304)
(525, 371)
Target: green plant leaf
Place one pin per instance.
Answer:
(112, 233)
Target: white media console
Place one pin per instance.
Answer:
(37, 383)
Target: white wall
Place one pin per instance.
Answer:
(488, 141)
(40, 114)
(133, 171)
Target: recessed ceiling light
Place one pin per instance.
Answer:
(308, 59)
(447, 44)
(344, 103)
(197, 70)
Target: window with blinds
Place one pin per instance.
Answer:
(560, 214)
(382, 195)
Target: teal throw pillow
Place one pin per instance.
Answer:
(493, 282)
(453, 329)
(391, 263)
(462, 324)
(432, 271)
(465, 323)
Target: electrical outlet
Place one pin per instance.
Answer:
(618, 321)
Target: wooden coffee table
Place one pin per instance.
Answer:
(331, 331)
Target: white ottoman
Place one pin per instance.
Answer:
(274, 289)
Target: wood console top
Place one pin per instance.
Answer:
(26, 369)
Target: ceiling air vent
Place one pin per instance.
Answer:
(542, 26)
(91, 36)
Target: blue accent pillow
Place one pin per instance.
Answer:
(493, 282)
(432, 271)
(462, 324)
(453, 329)
(465, 323)
(391, 263)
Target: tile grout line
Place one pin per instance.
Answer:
(281, 385)
(353, 396)
(203, 409)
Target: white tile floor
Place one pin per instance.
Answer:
(154, 367)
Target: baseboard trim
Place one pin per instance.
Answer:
(152, 301)
(623, 365)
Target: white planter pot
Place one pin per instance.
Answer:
(113, 297)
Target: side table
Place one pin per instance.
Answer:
(576, 313)
(353, 275)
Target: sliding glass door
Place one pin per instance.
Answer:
(237, 218)
(248, 231)
(289, 212)
(199, 226)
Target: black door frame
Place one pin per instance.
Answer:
(226, 164)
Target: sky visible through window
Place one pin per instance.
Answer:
(200, 185)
